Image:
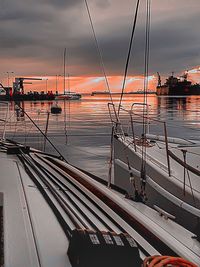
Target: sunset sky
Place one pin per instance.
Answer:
(35, 33)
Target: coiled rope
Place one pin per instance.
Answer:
(166, 261)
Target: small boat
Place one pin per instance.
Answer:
(55, 109)
(69, 96)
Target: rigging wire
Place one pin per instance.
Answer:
(38, 128)
(98, 50)
(64, 74)
(129, 54)
(64, 70)
(145, 107)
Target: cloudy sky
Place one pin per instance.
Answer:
(35, 33)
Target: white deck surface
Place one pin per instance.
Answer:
(172, 234)
(19, 247)
(33, 236)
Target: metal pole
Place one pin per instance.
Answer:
(111, 158)
(8, 79)
(56, 83)
(62, 157)
(4, 130)
(133, 132)
(8, 73)
(46, 129)
(46, 85)
(64, 71)
(167, 149)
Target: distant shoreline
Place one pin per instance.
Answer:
(115, 93)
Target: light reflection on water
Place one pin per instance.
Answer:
(88, 125)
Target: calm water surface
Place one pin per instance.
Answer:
(82, 131)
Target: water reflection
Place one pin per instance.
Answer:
(180, 108)
(19, 110)
(87, 125)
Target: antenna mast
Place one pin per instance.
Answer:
(64, 71)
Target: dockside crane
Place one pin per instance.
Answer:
(18, 85)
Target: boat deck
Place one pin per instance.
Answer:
(36, 188)
(31, 228)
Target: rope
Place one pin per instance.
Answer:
(128, 55)
(98, 50)
(166, 261)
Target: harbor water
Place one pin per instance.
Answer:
(82, 132)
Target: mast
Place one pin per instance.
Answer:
(68, 82)
(159, 79)
(64, 71)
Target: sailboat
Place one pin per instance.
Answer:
(67, 94)
(171, 169)
(156, 169)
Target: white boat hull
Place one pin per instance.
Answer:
(159, 175)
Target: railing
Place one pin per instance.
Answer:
(18, 126)
(144, 119)
(4, 113)
(118, 129)
(136, 117)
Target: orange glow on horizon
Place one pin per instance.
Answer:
(88, 84)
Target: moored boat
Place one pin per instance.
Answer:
(56, 109)
(171, 178)
(69, 96)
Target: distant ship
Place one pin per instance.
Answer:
(141, 92)
(177, 86)
(100, 93)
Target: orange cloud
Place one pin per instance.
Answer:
(84, 84)
(87, 84)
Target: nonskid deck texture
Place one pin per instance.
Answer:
(45, 199)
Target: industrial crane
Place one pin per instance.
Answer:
(18, 85)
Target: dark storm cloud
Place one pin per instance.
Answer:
(39, 30)
(61, 3)
(103, 3)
